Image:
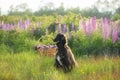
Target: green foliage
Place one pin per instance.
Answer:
(38, 32)
(47, 39)
(86, 45)
(92, 45)
(14, 41)
(116, 17)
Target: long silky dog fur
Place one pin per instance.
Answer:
(64, 57)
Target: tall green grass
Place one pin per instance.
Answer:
(30, 66)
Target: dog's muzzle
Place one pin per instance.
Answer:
(57, 41)
(54, 40)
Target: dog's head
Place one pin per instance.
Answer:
(60, 38)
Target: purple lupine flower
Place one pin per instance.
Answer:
(108, 21)
(20, 23)
(5, 27)
(26, 23)
(22, 26)
(109, 27)
(72, 27)
(84, 27)
(118, 28)
(93, 23)
(25, 26)
(11, 27)
(8, 27)
(106, 30)
(64, 28)
(89, 27)
(105, 27)
(114, 36)
(102, 27)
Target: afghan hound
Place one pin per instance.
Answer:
(64, 58)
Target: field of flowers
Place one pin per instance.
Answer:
(85, 35)
(94, 42)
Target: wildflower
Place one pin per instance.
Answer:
(89, 27)
(84, 27)
(64, 28)
(114, 36)
(27, 23)
(106, 30)
(93, 23)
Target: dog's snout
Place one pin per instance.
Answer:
(54, 40)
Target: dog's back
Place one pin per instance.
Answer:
(72, 58)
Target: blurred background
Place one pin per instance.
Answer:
(87, 8)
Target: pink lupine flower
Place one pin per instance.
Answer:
(106, 30)
(105, 27)
(27, 23)
(20, 23)
(89, 27)
(94, 22)
(114, 36)
(84, 27)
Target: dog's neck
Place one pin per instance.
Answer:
(60, 45)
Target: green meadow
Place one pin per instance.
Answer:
(31, 66)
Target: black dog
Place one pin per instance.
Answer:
(64, 57)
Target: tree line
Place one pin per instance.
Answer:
(101, 8)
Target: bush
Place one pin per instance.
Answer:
(116, 17)
(91, 45)
(15, 41)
